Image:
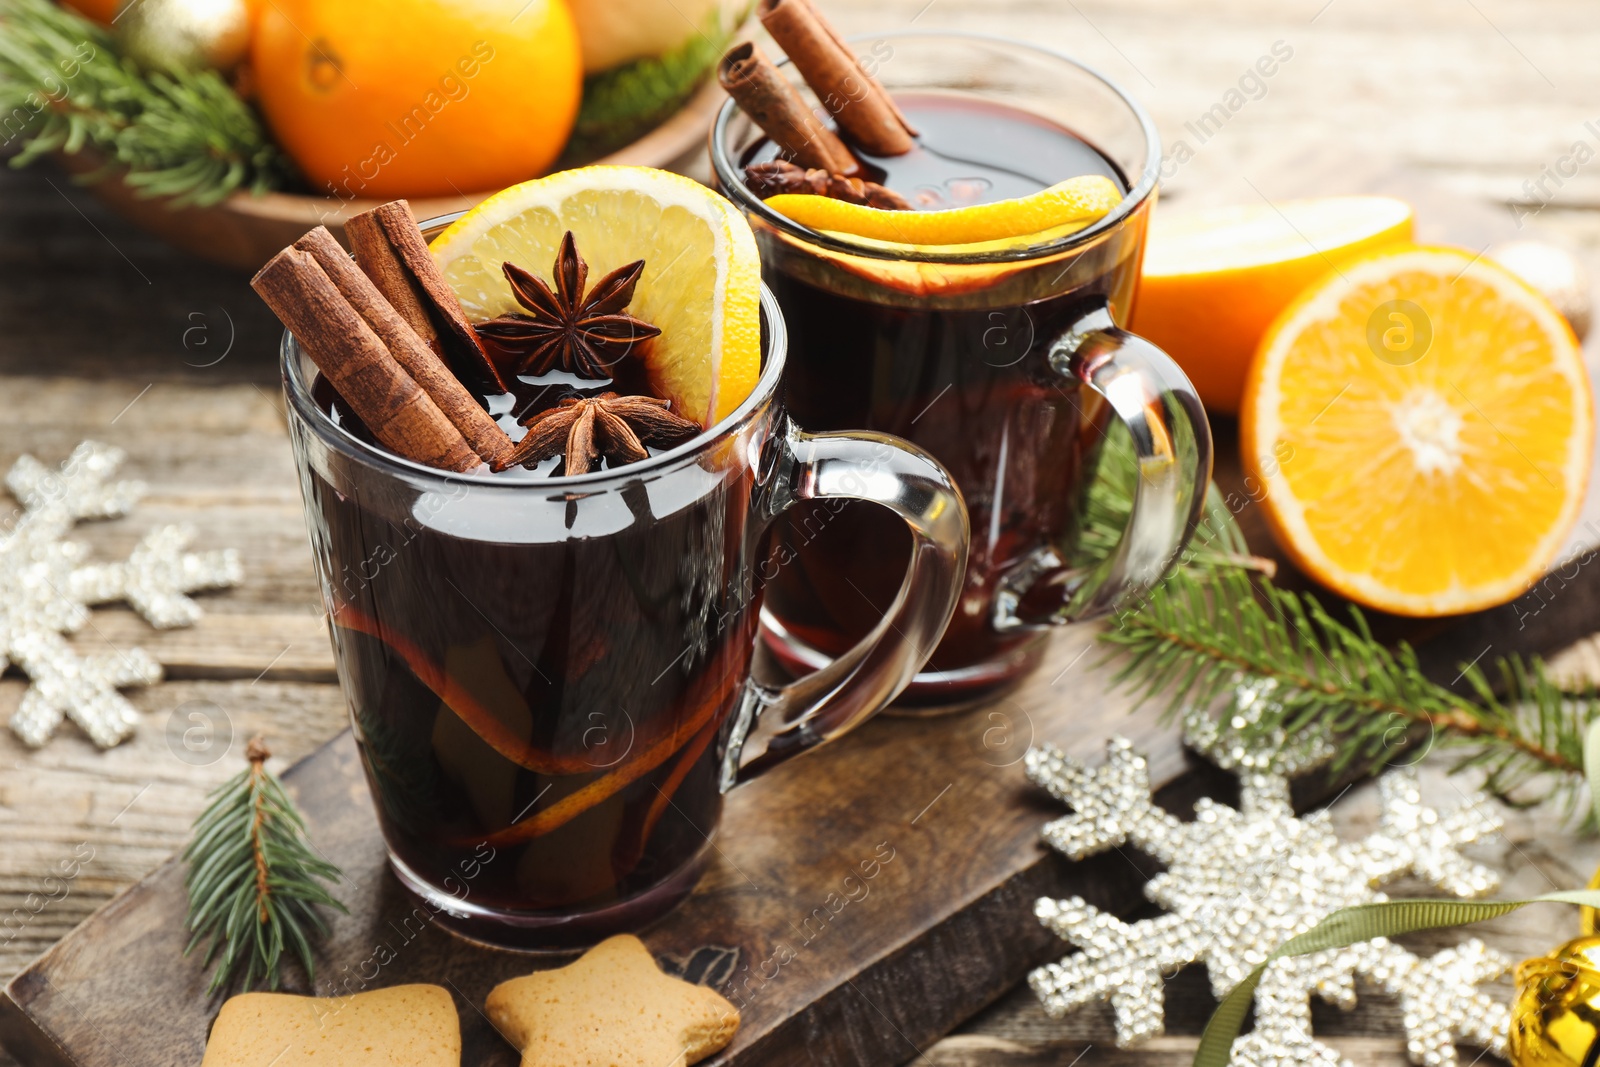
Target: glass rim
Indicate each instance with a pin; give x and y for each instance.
(298, 391)
(1141, 190)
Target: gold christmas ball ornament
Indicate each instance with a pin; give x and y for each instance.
(1556, 273)
(184, 34)
(1555, 1020)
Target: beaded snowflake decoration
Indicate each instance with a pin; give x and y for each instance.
(1240, 882)
(47, 587)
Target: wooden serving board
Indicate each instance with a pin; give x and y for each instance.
(246, 229)
(832, 967)
(942, 929)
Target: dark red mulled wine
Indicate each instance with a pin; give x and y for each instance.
(952, 358)
(543, 722)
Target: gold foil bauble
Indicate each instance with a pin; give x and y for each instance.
(1556, 273)
(1555, 1020)
(184, 34)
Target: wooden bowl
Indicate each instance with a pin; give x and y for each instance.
(245, 230)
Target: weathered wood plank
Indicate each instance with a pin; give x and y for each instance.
(216, 459)
(121, 813)
(1501, 90)
(979, 1050)
(257, 647)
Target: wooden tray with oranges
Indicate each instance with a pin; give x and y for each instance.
(245, 230)
(438, 103)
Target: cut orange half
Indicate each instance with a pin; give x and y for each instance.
(701, 279)
(1214, 279)
(1422, 425)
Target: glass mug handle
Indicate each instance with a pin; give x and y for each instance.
(836, 699)
(1172, 442)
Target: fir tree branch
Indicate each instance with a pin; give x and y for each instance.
(1218, 622)
(253, 880)
(185, 135)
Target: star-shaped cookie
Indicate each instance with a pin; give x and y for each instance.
(611, 1008)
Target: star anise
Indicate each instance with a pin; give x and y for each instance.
(586, 335)
(584, 428)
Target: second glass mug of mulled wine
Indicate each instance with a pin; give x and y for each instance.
(549, 678)
(1007, 364)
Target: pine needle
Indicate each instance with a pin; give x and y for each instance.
(1218, 622)
(184, 135)
(253, 881)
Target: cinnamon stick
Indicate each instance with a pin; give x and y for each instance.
(381, 264)
(863, 109)
(773, 104)
(391, 404)
(780, 176)
(390, 247)
(408, 348)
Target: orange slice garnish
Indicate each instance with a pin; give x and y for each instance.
(701, 280)
(1055, 212)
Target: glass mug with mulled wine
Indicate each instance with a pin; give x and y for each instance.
(538, 505)
(953, 261)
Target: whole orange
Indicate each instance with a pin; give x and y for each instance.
(418, 97)
(102, 11)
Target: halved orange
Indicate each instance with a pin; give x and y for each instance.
(1214, 279)
(701, 280)
(1422, 425)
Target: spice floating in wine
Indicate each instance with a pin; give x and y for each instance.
(971, 152)
(814, 156)
(418, 359)
(700, 283)
(402, 416)
(778, 176)
(582, 429)
(586, 334)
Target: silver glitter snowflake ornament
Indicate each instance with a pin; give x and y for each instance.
(1240, 882)
(47, 588)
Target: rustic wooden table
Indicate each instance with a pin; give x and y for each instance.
(105, 334)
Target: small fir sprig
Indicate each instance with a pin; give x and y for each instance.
(254, 883)
(1218, 621)
(185, 135)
